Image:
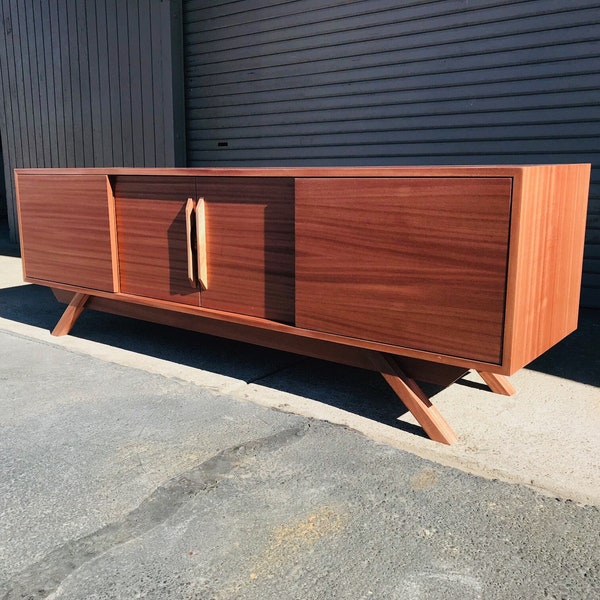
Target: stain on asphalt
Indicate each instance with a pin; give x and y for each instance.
(44, 577)
(426, 479)
(290, 540)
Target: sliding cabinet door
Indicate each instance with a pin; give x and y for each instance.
(153, 238)
(412, 262)
(249, 224)
(66, 231)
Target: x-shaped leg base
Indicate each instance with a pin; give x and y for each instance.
(417, 402)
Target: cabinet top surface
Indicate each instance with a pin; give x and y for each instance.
(391, 171)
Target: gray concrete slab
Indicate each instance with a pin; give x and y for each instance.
(143, 462)
(118, 483)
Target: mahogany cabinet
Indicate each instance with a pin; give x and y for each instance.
(421, 273)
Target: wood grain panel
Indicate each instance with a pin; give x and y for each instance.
(547, 244)
(65, 229)
(413, 262)
(151, 233)
(250, 245)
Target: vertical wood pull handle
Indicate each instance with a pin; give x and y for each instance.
(189, 209)
(201, 248)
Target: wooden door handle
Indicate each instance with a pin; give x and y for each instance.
(201, 248)
(189, 209)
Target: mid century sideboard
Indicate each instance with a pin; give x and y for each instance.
(420, 273)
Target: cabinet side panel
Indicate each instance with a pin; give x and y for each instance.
(546, 259)
(66, 229)
(414, 262)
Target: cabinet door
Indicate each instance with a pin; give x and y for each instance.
(65, 229)
(413, 262)
(250, 245)
(151, 229)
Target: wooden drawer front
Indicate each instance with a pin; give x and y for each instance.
(66, 230)
(250, 245)
(152, 239)
(414, 262)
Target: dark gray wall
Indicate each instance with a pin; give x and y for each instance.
(90, 83)
(316, 82)
(3, 202)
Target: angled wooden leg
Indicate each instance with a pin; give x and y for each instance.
(71, 314)
(414, 399)
(497, 383)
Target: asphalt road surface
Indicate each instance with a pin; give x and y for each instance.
(119, 483)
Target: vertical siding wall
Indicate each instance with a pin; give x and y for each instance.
(314, 82)
(89, 83)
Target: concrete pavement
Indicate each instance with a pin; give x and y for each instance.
(143, 462)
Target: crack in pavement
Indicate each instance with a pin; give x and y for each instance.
(44, 577)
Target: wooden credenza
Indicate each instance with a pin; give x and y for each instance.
(421, 273)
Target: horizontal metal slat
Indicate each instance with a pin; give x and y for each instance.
(546, 120)
(571, 58)
(479, 39)
(400, 105)
(453, 138)
(575, 151)
(481, 83)
(315, 29)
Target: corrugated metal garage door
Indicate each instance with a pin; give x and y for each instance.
(310, 82)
